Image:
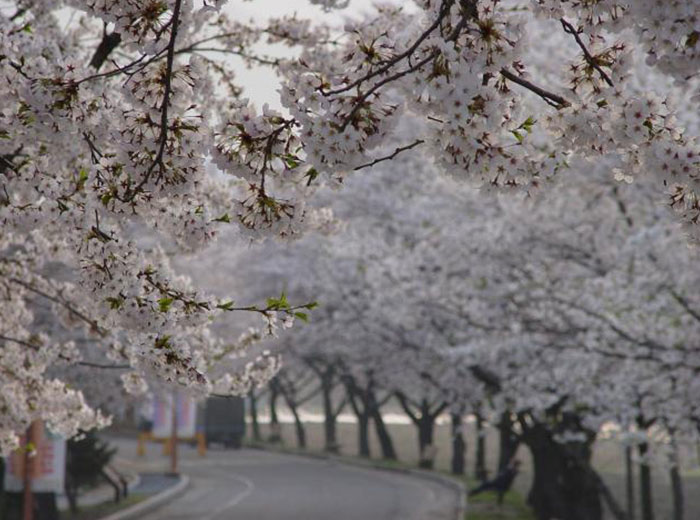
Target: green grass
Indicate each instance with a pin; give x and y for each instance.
(485, 506)
(100, 510)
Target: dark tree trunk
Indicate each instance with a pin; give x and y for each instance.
(299, 428)
(677, 487)
(508, 441)
(480, 460)
(363, 434)
(257, 437)
(71, 495)
(385, 442)
(564, 485)
(459, 447)
(645, 484)
(329, 414)
(358, 402)
(629, 483)
(426, 423)
(275, 431)
(290, 398)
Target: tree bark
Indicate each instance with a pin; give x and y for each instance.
(480, 460)
(645, 484)
(564, 485)
(358, 403)
(329, 413)
(629, 483)
(299, 428)
(459, 447)
(426, 429)
(363, 435)
(275, 435)
(386, 444)
(677, 487)
(508, 441)
(257, 437)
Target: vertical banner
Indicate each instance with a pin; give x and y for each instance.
(162, 416)
(47, 466)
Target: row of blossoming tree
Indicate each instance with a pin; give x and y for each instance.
(126, 142)
(554, 319)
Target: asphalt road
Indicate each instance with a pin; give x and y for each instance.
(257, 485)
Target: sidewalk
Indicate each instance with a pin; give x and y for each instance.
(145, 477)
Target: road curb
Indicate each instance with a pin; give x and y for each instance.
(150, 503)
(451, 482)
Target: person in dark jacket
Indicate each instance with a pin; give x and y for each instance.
(501, 484)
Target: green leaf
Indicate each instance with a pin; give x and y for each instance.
(302, 316)
(226, 306)
(162, 342)
(105, 198)
(115, 303)
(223, 218)
(517, 135)
(311, 174)
(164, 304)
(82, 179)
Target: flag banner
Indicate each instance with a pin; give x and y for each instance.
(186, 416)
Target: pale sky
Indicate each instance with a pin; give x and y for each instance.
(261, 84)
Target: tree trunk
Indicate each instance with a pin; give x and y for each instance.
(386, 444)
(363, 434)
(645, 484)
(459, 447)
(299, 428)
(275, 431)
(257, 437)
(508, 441)
(358, 402)
(480, 460)
(426, 423)
(677, 487)
(629, 483)
(329, 420)
(564, 486)
(71, 495)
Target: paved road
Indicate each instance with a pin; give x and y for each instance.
(257, 485)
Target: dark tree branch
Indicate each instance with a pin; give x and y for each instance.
(552, 99)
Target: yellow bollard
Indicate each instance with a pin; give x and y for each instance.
(201, 444)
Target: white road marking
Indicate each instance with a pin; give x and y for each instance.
(249, 487)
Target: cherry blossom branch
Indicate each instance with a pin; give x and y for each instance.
(19, 342)
(165, 104)
(396, 152)
(552, 99)
(570, 29)
(407, 53)
(95, 327)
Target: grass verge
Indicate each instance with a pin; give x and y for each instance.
(98, 511)
(484, 506)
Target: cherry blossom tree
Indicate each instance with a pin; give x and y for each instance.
(119, 117)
